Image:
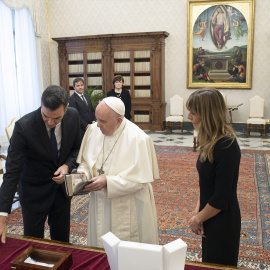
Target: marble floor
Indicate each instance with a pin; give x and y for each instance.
(254, 141)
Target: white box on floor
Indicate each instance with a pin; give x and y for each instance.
(110, 244)
(135, 256)
(174, 255)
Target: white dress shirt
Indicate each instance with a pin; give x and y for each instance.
(58, 135)
(82, 97)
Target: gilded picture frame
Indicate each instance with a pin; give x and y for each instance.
(220, 43)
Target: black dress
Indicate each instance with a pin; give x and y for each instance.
(125, 97)
(218, 188)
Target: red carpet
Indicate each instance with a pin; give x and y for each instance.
(175, 195)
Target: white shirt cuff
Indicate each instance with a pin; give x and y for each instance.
(3, 214)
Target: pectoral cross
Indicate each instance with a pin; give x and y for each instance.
(100, 171)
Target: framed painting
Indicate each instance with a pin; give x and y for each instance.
(220, 43)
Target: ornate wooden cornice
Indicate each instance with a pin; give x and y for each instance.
(162, 34)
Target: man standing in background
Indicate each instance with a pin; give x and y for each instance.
(82, 103)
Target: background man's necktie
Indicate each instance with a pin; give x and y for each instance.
(54, 143)
(83, 98)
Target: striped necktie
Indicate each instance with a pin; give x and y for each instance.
(83, 98)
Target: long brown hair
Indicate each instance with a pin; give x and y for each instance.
(209, 105)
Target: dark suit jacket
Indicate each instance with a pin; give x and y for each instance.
(87, 113)
(31, 162)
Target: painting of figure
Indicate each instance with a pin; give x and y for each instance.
(201, 29)
(220, 28)
(238, 31)
(220, 46)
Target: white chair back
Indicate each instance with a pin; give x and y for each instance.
(224, 96)
(1, 167)
(2, 157)
(176, 105)
(10, 128)
(256, 107)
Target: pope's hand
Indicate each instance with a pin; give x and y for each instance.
(3, 228)
(99, 182)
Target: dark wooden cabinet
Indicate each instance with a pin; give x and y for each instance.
(138, 57)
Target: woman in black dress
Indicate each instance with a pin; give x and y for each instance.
(121, 93)
(217, 215)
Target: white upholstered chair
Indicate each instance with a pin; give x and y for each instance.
(256, 114)
(175, 120)
(224, 96)
(2, 157)
(10, 128)
(195, 140)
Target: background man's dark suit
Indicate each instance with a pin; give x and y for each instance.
(32, 163)
(86, 112)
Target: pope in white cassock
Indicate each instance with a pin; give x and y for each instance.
(120, 158)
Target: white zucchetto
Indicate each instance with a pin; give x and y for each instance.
(116, 104)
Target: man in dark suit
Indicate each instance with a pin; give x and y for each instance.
(43, 147)
(82, 103)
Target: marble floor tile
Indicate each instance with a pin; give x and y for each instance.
(254, 141)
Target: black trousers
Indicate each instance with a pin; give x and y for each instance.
(58, 219)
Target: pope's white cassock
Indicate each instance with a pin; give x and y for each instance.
(126, 207)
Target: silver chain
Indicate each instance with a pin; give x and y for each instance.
(100, 171)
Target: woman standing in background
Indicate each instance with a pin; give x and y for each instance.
(217, 215)
(121, 93)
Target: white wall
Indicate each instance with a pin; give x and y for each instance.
(44, 42)
(92, 17)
